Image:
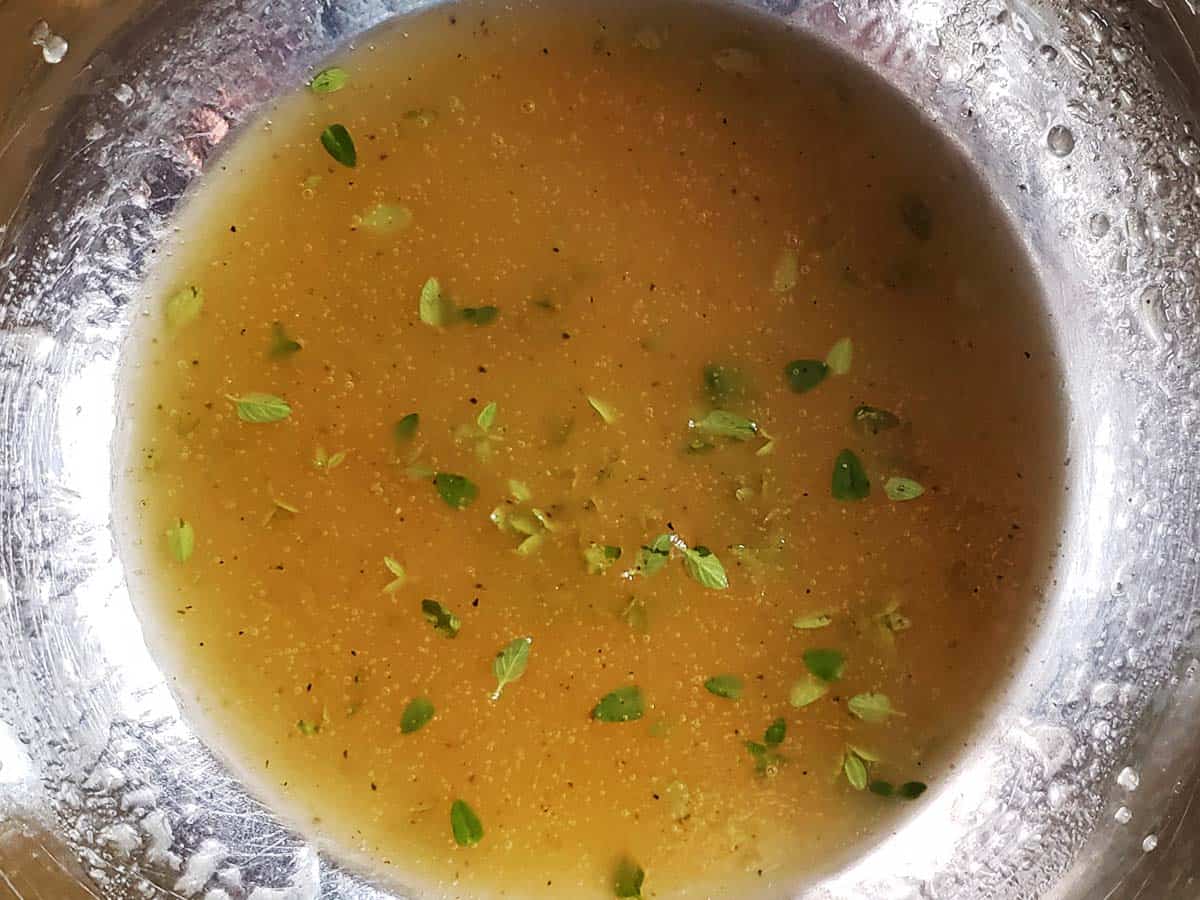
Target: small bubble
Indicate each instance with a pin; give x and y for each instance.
(1150, 842)
(1049, 53)
(1098, 225)
(1123, 815)
(528, 106)
(1129, 779)
(1060, 140)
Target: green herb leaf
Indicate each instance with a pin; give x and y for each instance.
(258, 409)
(849, 481)
(787, 272)
(811, 623)
(399, 576)
(406, 428)
(440, 618)
(652, 558)
(806, 691)
(727, 686)
(308, 728)
(184, 306)
(384, 218)
(775, 733)
(705, 568)
(916, 216)
(281, 344)
(479, 315)
(416, 715)
(901, 489)
(509, 664)
(423, 117)
(723, 383)
(882, 788)
(519, 490)
(457, 490)
(628, 879)
(635, 615)
(872, 708)
(599, 557)
(337, 143)
(467, 829)
(911, 790)
(892, 620)
(855, 769)
(487, 416)
(825, 664)
(622, 705)
(325, 462)
(181, 540)
(433, 307)
(805, 374)
(766, 760)
(840, 356)
(605, 411)
(720, 423)
(329, 81)
(872, 419)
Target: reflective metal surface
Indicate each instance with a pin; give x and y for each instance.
(1079, 117)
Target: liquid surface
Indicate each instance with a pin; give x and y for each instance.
(638, 223)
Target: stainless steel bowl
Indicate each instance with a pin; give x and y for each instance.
(1080, 118)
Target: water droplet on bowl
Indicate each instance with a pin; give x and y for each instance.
(1123, 815)
(54, 49)
(1150, 842)
(1129, 779)
(1060, 140)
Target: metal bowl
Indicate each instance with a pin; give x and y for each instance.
(1079, 118)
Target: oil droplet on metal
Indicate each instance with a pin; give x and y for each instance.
(1123, 815)
(1060, 140)
(54, 46)
(1150, 842)
(1129, 779)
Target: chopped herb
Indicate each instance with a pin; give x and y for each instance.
(916, 216)
(398, 573)
(383, 218)
(599, 557)
(281, 344)
(849, 481)
(479, 315)
(467, 829)
(325, 462)
(872, 708)
(628, 879)
(652, 558)
(510, 662)
(423, 117)
(825, 664)
(433, 307)
(727, 686)
(184, 306)
(406, 428)
(872, 419)
(308, 728)
(901, 489)
(811, 623)
(911, 790)
(622, 705)
(892, 620)
(337, 143)
(181, 540)
(457, 490)
(519, 490)
(635, 615)
(737, 61)
(487, 417)
(775, 733)
(723, 383)
(806, 691)
(787, 272)
(605, 411)
(440, 618)
(329, 81)
(768, 448)
(416, 715)
(720, 423)
(882, 788)
(840, 355)
(705, 568)
(805, 374)
(419, 472)
(257, 408)
(285, 506)
(855, 769)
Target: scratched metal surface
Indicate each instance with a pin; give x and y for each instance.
(1081, 119)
